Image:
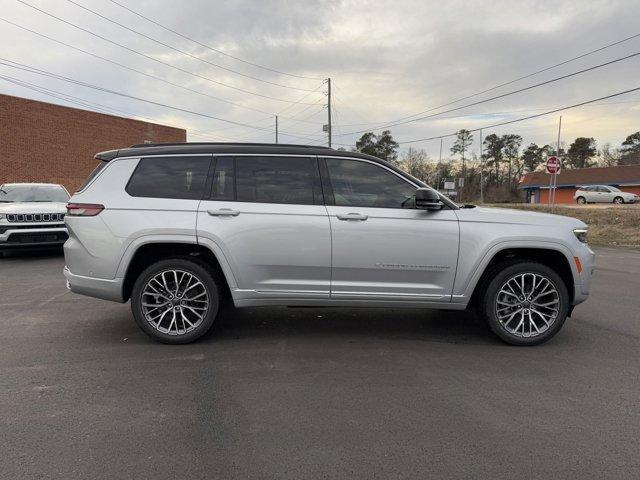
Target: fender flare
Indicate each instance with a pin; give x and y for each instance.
(495, 249)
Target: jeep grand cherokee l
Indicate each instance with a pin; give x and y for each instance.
(178, 228)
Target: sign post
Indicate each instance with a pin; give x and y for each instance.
(553, 167)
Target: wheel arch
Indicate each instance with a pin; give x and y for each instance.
(552, 256)
(150, 252)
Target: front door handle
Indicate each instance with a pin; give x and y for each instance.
(224, 212)
(352, 216)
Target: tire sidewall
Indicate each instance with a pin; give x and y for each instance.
(193, 267)
(491, 293)
(581, 201)
(618, 200)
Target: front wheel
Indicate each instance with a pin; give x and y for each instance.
(175, 301)
(525, 303)
(618, 200)
(581, 200)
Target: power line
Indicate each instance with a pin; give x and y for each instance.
(182, 52)
(503, 95)
(149, 75)
(210, 47)
(551, 67)
(486, 127)
(152, 58)
(37, 71)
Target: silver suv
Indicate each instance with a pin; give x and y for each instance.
(179, 229)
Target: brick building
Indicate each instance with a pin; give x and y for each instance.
(536, 184)
(42, 142)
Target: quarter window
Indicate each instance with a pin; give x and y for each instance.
(277, 180)
(169, 177)
(362, 184)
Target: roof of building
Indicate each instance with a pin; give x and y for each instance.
(622, 175)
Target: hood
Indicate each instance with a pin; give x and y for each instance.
(33, 207)
(516, 217)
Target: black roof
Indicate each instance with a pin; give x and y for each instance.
(226, 148)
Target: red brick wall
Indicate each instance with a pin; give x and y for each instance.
(41, 142)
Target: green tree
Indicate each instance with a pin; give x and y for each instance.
(630, 150)
(580, 152)
(382, 146)
(533, 156)
(464, 139)
(493, 148)
(511, 148)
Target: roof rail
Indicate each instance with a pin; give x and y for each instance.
(238, 144)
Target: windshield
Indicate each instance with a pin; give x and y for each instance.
(33, 193)
(614, 189)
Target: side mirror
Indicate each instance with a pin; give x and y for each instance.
(428, 199)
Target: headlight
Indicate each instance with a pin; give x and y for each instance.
(581, 234)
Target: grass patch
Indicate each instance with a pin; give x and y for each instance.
(609, 226)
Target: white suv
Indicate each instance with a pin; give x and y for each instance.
(604, 194)
(32, 216)
(180, 228)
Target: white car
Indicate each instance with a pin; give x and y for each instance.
(32, 216)
(604, 194)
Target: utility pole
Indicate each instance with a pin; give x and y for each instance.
(276, 128)
(329, 110)
(439, 166)
(481, 172)
(555, 175)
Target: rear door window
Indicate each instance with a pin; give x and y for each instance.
(278, 180)
(170, 177)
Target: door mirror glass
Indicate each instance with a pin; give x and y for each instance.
(428, 199)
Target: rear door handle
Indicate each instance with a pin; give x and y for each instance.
(352, 216)
(224, 212)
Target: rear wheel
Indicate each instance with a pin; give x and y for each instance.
(581, 200)
(525, 303)
(175, 301)
(618, 200)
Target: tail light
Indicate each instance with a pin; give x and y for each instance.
(84, 209)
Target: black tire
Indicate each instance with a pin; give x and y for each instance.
(201, 273)
(618, 200)
(489, 298)
(581, 200)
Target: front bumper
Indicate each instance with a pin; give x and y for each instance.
(582, 286)
(95, 287)
(18, 236)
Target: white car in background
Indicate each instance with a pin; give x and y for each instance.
(32, 216)
(604, 194)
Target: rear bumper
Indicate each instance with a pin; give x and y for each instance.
(95, 287)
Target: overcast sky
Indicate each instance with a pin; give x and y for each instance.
(387, 60)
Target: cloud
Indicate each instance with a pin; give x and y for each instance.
(387, 60)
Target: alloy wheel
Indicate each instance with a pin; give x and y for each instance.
(174, 302)
(527, 305)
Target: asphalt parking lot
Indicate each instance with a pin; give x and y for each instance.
(315, 393)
